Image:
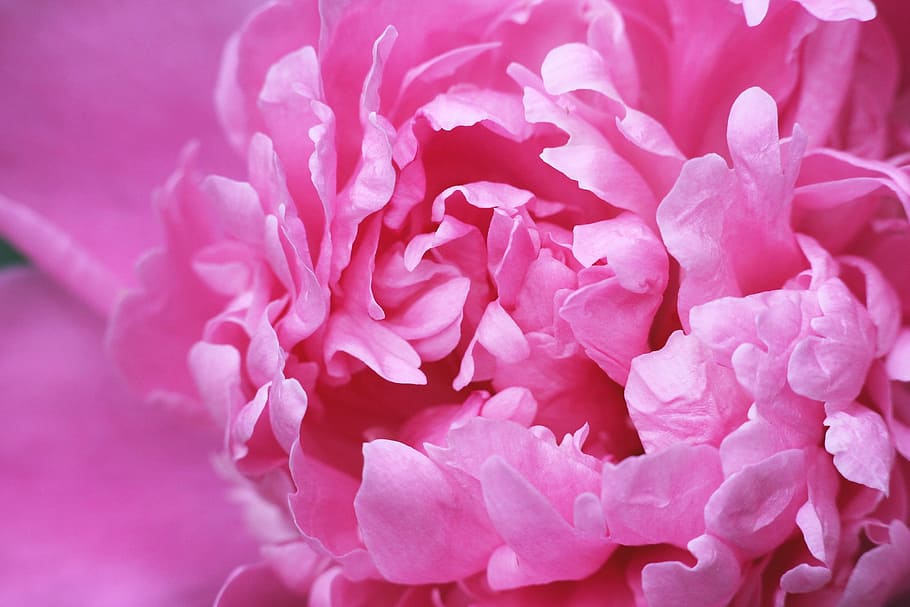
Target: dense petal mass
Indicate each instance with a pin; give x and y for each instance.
(553, 302)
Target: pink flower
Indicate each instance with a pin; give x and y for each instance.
(514, 303)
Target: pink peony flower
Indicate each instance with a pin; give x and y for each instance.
(514, 303)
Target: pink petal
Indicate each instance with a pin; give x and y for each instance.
(561, 472)
(497, 338)
(576, 67)
(839, 10)
(78, 448)
(411, 515)
(589, 158)
(262, 41)
(153, 328)
(825, 10)
(832, 364)
(511, 248)
(828, 59)
(611, 317)
(897, 362)
(754, 509)
(859, 440)
(744, 211)
(819, 518)
(710, 583)
(541, 546)
(881, 301)
(377, 346)
(608, 35)
(483, 195)
(323, 510)
(660, 497)
(804, 578)
(679, 394)
(882, 573)
(755, 10)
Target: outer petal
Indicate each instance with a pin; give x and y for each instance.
(660, 498)
(755, 508)
(730, 229)
(710, 583)
(412, 518)
(860, 442)
(541, 546)
(105, 488)
(95, 112)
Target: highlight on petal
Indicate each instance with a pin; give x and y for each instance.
(859, 440)
(836, 10)
(898, 361)
(839, 10)
(755, 508)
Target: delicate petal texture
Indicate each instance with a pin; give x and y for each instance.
(729, 228)
(707, 583)
(660, 498)
(755, 508)
(411, 544)
(858, 439)
(103, 493)
(548, 302)
(679, 394)
(831, 365)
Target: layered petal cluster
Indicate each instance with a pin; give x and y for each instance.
(549, 303)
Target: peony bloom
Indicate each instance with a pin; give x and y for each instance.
(491, 303)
